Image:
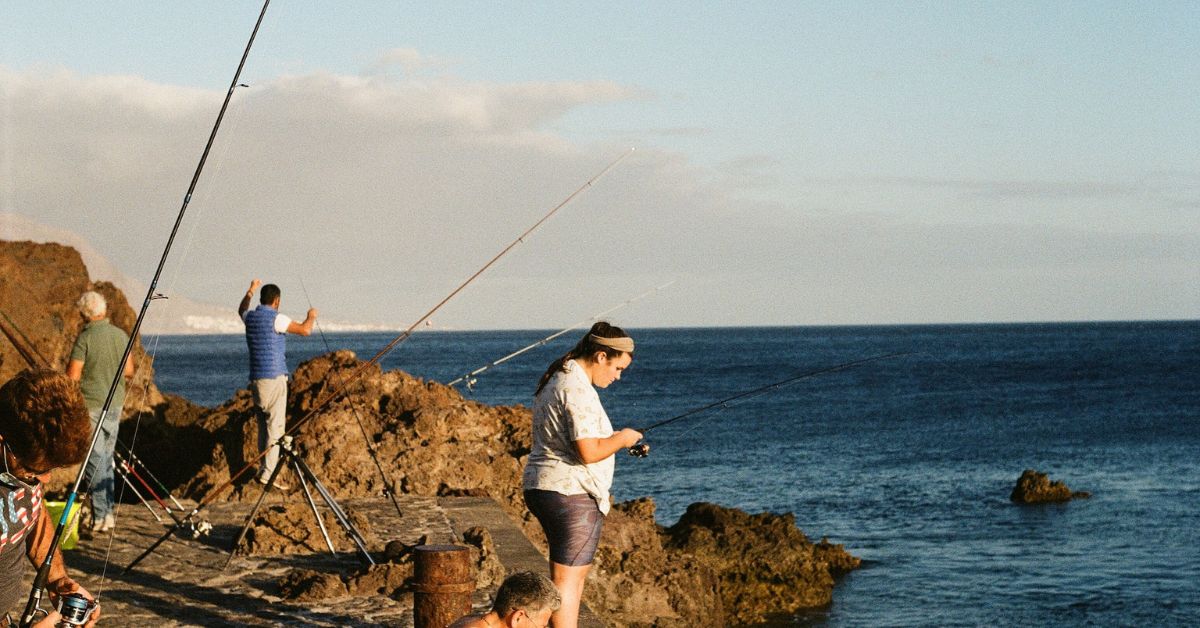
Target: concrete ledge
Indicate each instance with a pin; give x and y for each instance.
(513, 549)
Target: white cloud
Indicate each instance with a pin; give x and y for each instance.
(384, 194)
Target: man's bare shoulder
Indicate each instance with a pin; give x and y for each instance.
(470, 621)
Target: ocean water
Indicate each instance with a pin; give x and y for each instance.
(907, 461)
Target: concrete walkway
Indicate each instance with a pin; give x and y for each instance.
(183, 582)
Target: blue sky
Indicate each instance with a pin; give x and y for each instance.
(1065, 129)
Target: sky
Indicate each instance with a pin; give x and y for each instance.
(794, 163)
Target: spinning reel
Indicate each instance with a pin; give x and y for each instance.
(640, 450)
(75, 609)
(194, 529)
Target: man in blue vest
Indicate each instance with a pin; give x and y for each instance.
(266, 336)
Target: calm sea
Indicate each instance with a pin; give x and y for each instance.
(907, 461)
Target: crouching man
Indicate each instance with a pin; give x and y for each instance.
(524, 599)
(44, 425)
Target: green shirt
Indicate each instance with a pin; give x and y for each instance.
(100, 346)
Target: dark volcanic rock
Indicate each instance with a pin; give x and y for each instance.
(765, 563)
(635, 580)
(292, 528)
(1036, 488)
(39, 286)
(432, 441)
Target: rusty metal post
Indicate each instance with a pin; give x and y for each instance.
(443, 583)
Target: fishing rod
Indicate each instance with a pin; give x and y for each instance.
(361, 369)
(132, 457)
(39, 583)
(124, 465)
(22, 343)
(388, 487)
(641, 450)
(470, 377)
(123, 469)
(196, 529)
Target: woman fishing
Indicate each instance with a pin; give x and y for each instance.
(570, 467)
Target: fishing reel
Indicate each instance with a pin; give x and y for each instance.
(640, 450)
(197, 529)
(75, 609)
(193, 529)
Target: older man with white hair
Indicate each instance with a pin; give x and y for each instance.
(95, 360)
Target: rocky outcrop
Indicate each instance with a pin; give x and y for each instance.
(39, 287)
(637, 581)
(293, 529)
(1037, 488)
(765, 563)
(717, 566)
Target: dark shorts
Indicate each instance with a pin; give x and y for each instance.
(572, 524)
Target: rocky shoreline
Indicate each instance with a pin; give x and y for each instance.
(715, 566)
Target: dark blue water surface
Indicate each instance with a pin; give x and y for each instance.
(907, 461)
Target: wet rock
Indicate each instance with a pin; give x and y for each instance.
(764, 562)
(1037, 488)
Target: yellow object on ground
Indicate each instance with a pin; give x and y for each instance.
(71, 534)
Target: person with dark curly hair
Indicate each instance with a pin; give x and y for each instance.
(44, 425)
(570, 466)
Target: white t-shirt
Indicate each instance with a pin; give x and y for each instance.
(568, 409)
(281, 321)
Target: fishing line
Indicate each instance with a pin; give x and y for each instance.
(132, 457)
(33, 605)
(361, 369)
(470, 377)
(203, 197)
(389, 488)
(641, 449)
(150, 352)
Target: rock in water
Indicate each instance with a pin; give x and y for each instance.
(1037, 488)
(765, 563)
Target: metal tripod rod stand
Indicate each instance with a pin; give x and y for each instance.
(288, 456)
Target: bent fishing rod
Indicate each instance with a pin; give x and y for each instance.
(362, 368)
(641, 450)
(470, 377)
(43, 574)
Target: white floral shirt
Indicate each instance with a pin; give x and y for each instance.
(568, 409)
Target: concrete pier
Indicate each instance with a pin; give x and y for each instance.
(182, 583)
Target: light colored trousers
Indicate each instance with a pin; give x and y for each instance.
(270, 398)
(100, 465)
